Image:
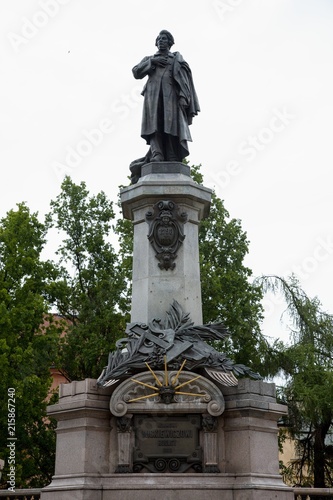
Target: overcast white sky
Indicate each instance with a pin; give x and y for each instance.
(263, 71)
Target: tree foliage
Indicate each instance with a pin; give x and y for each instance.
(26, 351)
(308, 392)
(228, 294)
(91, 292)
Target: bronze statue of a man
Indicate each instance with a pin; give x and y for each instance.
(170, 102)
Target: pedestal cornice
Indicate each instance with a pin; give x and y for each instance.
(153, 186)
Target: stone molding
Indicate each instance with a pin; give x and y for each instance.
(150, 189)
(165, 167)
(211, 402)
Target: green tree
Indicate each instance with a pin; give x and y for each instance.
(308, 366)
(27, 350)
(91, 292)
(227, 292)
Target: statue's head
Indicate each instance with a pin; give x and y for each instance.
(170, 38)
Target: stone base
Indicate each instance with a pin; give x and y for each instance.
(168, 487)
(165, 167)
(87, 452)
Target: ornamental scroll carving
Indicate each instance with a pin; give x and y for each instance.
(166, 232)
(136, 397)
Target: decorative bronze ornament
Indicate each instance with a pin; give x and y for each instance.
(178, 339)
(124, 424)
(167, 390)
(209, 423)
(166, 232)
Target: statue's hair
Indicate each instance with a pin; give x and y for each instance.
(168, 34)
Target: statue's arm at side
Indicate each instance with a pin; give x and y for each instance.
(144, 68)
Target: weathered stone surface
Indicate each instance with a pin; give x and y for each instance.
(250, 427)
(210, 400)
(83, 431)
(165, 167)
(243, 446)
(255, 387)
(153, 289)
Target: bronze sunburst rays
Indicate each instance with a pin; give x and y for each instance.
(169, 388)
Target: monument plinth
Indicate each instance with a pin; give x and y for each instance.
(166, 209)
(97, 451)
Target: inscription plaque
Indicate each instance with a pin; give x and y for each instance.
(165, 443)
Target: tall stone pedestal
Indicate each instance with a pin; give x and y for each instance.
(154, 288)
(243, 445)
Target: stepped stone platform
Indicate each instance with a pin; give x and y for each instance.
(243, 446)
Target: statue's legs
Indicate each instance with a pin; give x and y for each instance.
(164, 147)
(171, 148)
(156, 146)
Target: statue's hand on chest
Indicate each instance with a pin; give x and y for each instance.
(160, 60)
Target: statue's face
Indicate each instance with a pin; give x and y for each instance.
(162, 42)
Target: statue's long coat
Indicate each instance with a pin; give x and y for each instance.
(161, 110)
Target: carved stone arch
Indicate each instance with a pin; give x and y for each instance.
(206, 398)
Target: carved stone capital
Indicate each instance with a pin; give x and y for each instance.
(124, 424)
(209, 423)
